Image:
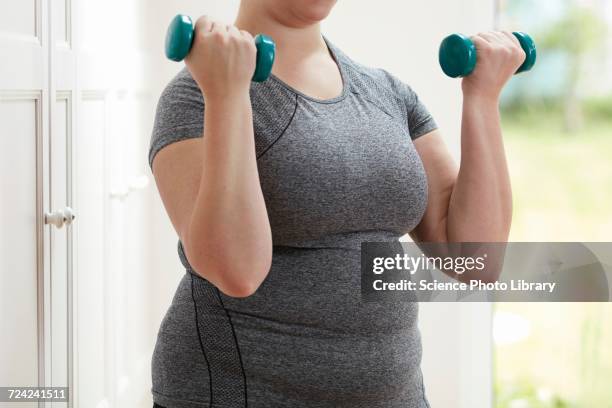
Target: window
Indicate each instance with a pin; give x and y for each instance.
(558, 131)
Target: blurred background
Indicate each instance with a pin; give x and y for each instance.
(80, 305)
(558, 130)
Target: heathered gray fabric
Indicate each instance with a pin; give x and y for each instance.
(334, 173)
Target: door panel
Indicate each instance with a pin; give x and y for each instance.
(61, 22)
(21, 41)
(19, 18)
(20, 119)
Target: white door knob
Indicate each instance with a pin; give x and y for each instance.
(61, 217)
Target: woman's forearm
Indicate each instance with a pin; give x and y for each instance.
(480, 208)
(229, 232)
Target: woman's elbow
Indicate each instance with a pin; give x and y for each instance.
(234, 277)
(239, 289)
(236, 270)
(240, 281)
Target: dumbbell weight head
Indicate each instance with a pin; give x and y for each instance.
(179, 40)
(458, 54)
(266, 52)
(529, 47)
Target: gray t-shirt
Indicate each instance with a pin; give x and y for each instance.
(334, 173)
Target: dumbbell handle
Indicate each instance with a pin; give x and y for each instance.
(458, 54)
(179, 40)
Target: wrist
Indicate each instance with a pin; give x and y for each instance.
(228, 97)
(479, 98)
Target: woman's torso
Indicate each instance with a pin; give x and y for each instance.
(334, 173)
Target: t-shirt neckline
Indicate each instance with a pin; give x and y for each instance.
(333, 52)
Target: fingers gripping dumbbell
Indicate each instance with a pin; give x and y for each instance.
(179, 40)
(458, 54)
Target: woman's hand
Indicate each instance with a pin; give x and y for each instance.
(222, 59)
(499, 57)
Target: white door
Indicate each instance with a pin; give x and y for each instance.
(24, 110)
(35, 149)
(74, 297)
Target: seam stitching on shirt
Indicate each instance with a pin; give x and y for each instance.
(174, 399)
(200, 340)
(392, 94)
(422, 122)
(418, 129)
(371, 102)
(229, 318)
(284, 130)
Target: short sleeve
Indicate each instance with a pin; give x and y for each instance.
(420, 121)
(179, 115)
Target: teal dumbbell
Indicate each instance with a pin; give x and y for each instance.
(179, 40)
(458, 54)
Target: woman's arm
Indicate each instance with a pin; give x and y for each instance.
(473, 203)
(210, 186)
(228, 234)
